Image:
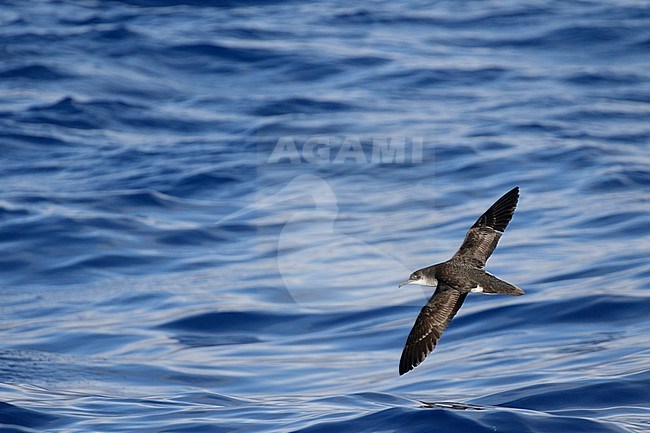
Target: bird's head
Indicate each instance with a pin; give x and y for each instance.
(422, 277)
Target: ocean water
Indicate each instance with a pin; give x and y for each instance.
(206, 209)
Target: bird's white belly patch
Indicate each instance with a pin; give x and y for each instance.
(477, 289)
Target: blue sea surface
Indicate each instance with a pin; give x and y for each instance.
(206, 209)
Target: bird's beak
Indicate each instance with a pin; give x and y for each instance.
(405, 283)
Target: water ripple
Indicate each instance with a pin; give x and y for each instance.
(160, 272)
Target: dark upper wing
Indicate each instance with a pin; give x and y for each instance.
(482, 238)
(429, 326)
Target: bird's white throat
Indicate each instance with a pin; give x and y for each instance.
(424, 282)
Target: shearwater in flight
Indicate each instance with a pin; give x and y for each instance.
(457, 277)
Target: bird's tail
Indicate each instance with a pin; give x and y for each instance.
(491, 284)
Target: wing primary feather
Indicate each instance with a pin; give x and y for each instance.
(429, 326)
(483, 237)
(500, 213)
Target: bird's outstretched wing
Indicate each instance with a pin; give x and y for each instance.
(429, 326)
(482, 238)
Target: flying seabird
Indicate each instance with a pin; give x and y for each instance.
(455, 278)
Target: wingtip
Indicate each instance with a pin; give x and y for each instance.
(514, 191)
(403, 366)
(514, 195)
(500, 213)
(406, 362)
